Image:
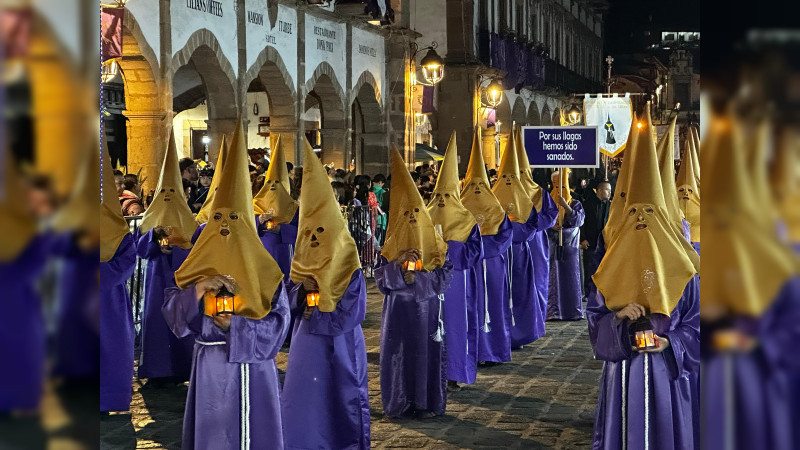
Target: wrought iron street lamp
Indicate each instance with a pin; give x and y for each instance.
(432, 64)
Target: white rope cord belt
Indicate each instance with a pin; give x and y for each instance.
(244, 369)
(486, 320)
(646, 401)
(624, 405)
(466, 312)
(511, 284)
(210, 343)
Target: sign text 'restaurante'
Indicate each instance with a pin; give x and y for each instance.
(207, 6)
(322, 44)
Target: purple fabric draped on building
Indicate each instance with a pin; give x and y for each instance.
(460, 308)
(116, 329)
(413, 365)
(522, 65)
(163, 354)
(325, 398)
(565, 300)
(77, 342)
(494, 314)
(22, 375)
(628, 378)
(540, 251)
(234, 391)
(761, 384)
(527, 323)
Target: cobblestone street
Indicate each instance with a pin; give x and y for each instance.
(544, 398)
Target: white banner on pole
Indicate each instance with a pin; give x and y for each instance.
(612, 116)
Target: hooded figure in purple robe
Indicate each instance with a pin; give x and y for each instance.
(230, 296)
(166, 238)
(117, 259)
(493, 290)
(413, 274)
(325, 399)
(750, 333)
(649, 272)
(464, 250)
(565, 300)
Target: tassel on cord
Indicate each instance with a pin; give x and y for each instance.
(486, 320)
(511, 284)
(440, 329)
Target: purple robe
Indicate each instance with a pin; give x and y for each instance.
(527, 322)
(22, 330)
(281, 244)
(460, 308)
(540, 251)
(753, 392)
(234, 391)
(565, 301)
(494, 314)
(116, 329)
(413, 364)
(666, 418)
(77, 342)
(325, 398)
(163, 354)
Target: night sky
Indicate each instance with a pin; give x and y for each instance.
(626, 21)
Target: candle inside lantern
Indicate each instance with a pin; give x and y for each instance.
(312, 299)
(164, 242)
(270, 224)
(411, 266)
(224, 302)
(642, 336)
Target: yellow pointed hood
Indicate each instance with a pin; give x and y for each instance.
(758, 150)
(688, 186)
(665, 149)
(169, 207)
(647, 263)
(509, 189)
(696, 159)
(617, 211)
(749, 264)
(555, 178)
(324, 250)
(410, 226)
(229, 244)
(203, 214)
(80, 213)
(113, 226)
(445, 207)
(19, 227)
(477, 196)
(785, 182)
(275, 196)
(525, 173)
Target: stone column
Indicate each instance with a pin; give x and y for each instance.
(333, 146)
(146, 144)
(290, 139)
(217, 128)
(375, 153)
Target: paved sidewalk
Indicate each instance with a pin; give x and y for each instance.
(544, 398)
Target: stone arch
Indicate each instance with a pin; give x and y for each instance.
(324, 89)
(269, 74)
(518, 112)
(369, 146)
(333, 88)
(202, 64)
(366, 78)
(533, 117)
(145, 117)
(547, 116)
